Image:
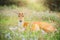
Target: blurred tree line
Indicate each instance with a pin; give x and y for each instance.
(12, 2)
(53, 5)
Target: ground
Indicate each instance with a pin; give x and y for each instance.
(9, 23)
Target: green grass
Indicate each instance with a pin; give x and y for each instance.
(11, 21)
(37, 7)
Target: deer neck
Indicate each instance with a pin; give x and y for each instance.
(21, 23)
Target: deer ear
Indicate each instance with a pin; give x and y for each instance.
(18, 14)
(22, 14)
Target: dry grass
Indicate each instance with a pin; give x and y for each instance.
(8, 19)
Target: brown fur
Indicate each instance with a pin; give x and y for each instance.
(47, 27)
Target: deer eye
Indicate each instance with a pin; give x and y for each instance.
(22, 16)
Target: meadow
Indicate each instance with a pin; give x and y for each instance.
(9, 19)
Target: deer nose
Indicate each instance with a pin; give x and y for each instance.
(20, 20)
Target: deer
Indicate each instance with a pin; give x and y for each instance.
(36, 25)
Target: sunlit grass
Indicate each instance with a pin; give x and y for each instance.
(12, 21)
(37, 7)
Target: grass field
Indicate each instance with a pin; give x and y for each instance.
(9, 18)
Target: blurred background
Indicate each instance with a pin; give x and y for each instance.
(34, 10)
(52, 5)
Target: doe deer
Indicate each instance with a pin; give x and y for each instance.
(37, 25)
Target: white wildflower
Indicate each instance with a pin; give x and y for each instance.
(8, 36)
